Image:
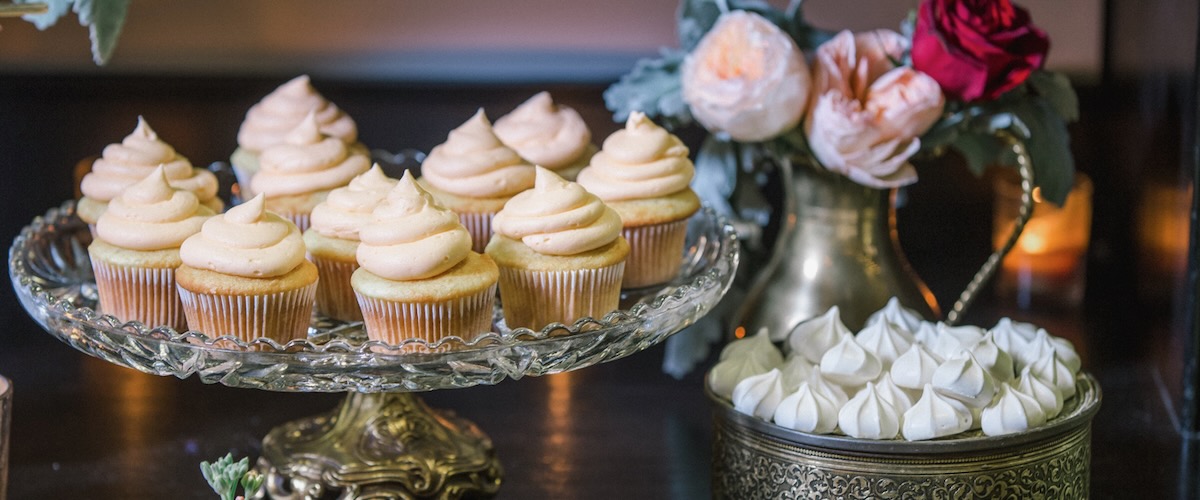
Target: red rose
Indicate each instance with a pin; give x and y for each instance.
(977, 49)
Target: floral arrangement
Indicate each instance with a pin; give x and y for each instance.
(956, 75)
(104, 19)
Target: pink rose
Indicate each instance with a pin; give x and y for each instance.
(868, 114)
(746, 79)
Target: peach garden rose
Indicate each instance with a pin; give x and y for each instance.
(868, 114)
(746, 79)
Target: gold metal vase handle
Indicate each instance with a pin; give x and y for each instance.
(985, 273)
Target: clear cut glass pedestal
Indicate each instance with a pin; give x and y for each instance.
(382, 441)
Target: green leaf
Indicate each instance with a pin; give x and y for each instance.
(251, 482)
(104, 19)
(980, 150)
(652, 87)
(55, 10)
(1057, 90)
(716, 173)
(694, 19)
(1049, 149)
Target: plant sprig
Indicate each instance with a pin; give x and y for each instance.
(224, 476)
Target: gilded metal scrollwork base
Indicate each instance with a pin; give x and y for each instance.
(375, 446)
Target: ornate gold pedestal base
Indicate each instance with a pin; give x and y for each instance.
(389, 445)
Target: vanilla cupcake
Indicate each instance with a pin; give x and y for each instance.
(297, 174)
(136, 251)
(474, 175)
(560, 252)
(269, 121)
(418, 276)
(548, 135)
(643, 173)
(244, 275)
(123, 165)
(332, 240)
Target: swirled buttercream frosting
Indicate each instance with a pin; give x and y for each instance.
(411, 237)
(558, 217)
(348, 208)
(544, 133)
(245, 241)
(307, 161)
(122, 165)
(151, 215)
(474, 163)
(269, 121)
(640, 161)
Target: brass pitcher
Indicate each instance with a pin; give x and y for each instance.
(837, 245)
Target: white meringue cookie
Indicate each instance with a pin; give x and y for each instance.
(893, 394)
(796, 371)
(995, 359)
(848, 364)
(1013, 336)
(819, 384)
(1011, 412)
(934, 416)
(950, 339)
(869, 416)
(813, 337)
(1036, 349)
(885, 340)
(807, 411)
(926, 335)
(726, 374)
(1045, 394)
(1052, 371)
(759, 395)
(758, 344)
(901, 316)
(1065, 351)
(963, 378)
(914, 368)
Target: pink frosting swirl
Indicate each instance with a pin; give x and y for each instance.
(349, 208)
(122, 165)
(474, 163)
(545, 133)
(306, 162)
(411, 237)
(640, 161)
(151, 215)
(268, 122)
(557, 217)
(246, 241)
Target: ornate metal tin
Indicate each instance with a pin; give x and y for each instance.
(753, 459)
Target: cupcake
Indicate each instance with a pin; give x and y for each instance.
(548, 135)
(560, 252)
(419, 277)
(474, 175)
(643, 173)
(122, 165)
(244, 275)
(298, 173)
(269, 121)
(332, 240)
(136, 250)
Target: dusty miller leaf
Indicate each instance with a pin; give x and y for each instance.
(54, 10)
(652, 87)
(104, 19)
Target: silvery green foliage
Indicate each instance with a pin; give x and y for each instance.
(654, 88)
(104, 19)
(224, 475)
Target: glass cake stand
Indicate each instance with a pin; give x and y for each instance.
(382, 441)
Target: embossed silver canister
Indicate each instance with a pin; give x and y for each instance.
(753, 459)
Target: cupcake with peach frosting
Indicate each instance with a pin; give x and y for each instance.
(643, 172)
(269, 121)
(136, 250)
(548, 135)
(560, 252)
(297, 174)
(418, 277)
(135, 157)
(244, 275)
(332, 240)
(474, 175)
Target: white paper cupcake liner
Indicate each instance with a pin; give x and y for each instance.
(534, 299)
(335, 296)
(480, 227)
(281, 316)
(394, 322)
(300, 219)
(654, 253)
(147, 295)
